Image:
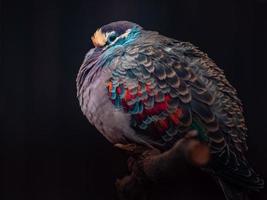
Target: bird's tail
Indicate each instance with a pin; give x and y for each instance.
(232, 192)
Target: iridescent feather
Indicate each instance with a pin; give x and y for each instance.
(165, 88)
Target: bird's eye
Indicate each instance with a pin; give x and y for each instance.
(111, 38)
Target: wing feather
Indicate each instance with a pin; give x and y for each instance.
(170, 87)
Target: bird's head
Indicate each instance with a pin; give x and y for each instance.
(115, 33)
(106, 40)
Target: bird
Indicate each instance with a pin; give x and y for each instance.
(138, 86)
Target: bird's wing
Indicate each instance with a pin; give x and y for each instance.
(171, 87)
(164, 96)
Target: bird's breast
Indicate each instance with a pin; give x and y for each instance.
(114, 124)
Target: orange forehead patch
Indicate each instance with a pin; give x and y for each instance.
(99, 39)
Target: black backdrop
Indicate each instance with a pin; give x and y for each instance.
(49, 149)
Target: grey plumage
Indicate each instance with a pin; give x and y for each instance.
(159, 71)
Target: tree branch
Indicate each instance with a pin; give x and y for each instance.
(150, 165)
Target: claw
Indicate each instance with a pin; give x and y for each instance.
(126, 147)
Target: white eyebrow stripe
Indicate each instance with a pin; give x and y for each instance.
(108, 34)
(124, 35)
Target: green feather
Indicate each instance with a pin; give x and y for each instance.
(202, 133)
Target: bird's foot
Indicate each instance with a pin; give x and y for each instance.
(132, 149)
(126, 147)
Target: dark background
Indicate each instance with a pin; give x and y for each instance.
(49, 151)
